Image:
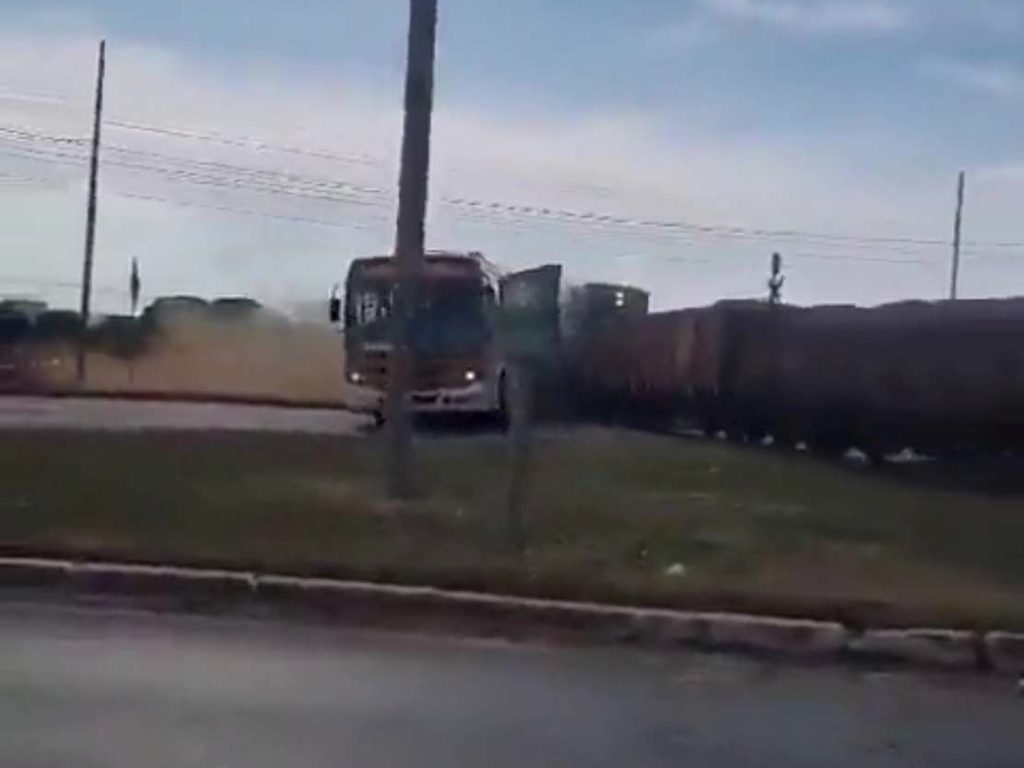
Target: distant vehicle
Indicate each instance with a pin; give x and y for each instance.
(459, 363)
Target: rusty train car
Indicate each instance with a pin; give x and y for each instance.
(938, 377)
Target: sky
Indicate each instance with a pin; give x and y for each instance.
(251, 147)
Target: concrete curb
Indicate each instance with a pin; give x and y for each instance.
(33, 573)
(360, 603)
(183, 587)
(1005, 651)
(954, 649)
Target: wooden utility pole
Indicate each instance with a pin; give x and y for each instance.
(90, 217)
(409, 241)
(957, 229)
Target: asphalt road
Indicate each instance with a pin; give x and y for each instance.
(132, 415)
(120, 690)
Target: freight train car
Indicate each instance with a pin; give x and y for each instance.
(661, 368)
(636, 368)
(942, 378)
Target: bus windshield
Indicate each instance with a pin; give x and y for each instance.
(452, 317)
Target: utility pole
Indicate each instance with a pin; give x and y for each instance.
(134, 286)
(90, 218)
(776, 281)
(409, 241)
(957, 229)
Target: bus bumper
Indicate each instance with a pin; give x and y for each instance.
(480, 397)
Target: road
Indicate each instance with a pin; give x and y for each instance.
(120, 690)
(132, 415)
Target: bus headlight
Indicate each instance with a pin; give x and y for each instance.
(356, 377)
(471, 376)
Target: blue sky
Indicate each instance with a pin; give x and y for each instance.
(719, 62)
(836, 116)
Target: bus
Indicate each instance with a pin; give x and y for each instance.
(458, 361)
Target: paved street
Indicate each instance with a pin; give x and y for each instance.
(129, 415)
(120, 690)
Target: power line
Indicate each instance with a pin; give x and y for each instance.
(539, 212)
(244, 211)
(199, 179)
(32, 153)
(269, 181)
(243, 142)
(362, 196)
(584, 235)
(245, 185)
(517, 224)
(31, 97)
(23, 133)
(489, 218)
(520, 227)
(62, 284)
(695, 241)
(221, 208)
(221, 167)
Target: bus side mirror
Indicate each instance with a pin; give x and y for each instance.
(334, 308)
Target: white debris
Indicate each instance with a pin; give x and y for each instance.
(676, 570)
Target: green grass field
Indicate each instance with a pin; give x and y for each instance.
(608, 514)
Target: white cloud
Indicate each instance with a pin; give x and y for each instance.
(614, 162)
(985, 77)
(815, 16)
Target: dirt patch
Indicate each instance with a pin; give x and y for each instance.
(259, 359)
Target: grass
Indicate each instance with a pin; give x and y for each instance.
(608, 513)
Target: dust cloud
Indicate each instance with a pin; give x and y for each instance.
(253, 359)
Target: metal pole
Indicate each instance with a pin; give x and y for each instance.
(776, 281)
(957, 229)
(90, 219)
(409, 241)
(520, 403)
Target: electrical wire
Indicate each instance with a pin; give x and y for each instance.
(243, 142)
(273, 182)
(244, 211)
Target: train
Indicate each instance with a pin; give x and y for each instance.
(939, 378)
